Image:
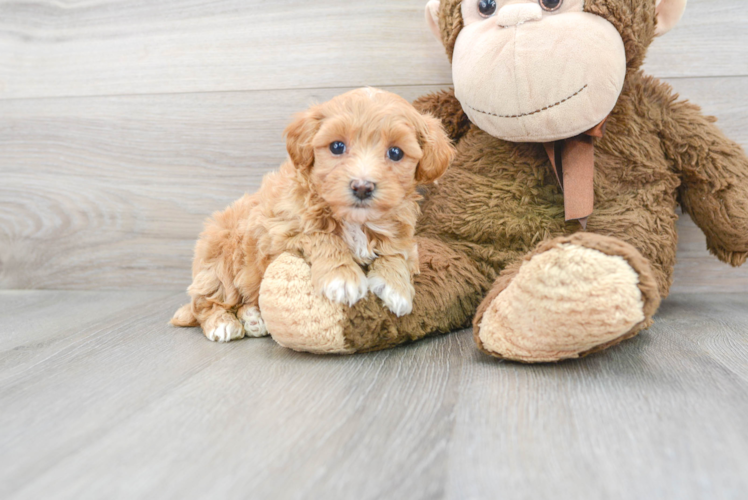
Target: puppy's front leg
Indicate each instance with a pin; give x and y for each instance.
(390, 279)
(334, 272)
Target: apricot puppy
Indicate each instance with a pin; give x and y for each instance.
(345, 200)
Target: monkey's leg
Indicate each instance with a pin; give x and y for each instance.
(572, 296)
(448, 290)
(714, 171)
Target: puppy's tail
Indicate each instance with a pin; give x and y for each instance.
(184, 317)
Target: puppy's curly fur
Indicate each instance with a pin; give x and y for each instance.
(310, 207)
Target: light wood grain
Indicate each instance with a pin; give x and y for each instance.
(125, 406)
(35, 326)
(51, 48)
(111, 192)
(145, 47)
(708, 41)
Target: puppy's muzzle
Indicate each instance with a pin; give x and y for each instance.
(363, 190)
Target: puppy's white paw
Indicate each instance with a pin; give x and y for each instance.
(225, 331)
(394, 300)
(254, 326)
(346, 292)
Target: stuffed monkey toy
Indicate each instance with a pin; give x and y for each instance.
(554, 230)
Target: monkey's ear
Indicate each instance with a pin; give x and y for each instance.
(669, 13)
(299, 135)
(432, 18)
(437, 150)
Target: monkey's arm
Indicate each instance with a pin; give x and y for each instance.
(445, 106)
(714, 172)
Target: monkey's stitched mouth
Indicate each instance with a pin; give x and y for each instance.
(532, 112)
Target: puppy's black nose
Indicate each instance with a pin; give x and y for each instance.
(363, 189)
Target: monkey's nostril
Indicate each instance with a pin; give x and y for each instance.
(363, 189)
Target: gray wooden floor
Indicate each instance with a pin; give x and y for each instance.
(100, 398)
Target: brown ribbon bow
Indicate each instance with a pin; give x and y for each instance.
(573, 163)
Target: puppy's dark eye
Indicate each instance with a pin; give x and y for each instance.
(487, 8)
(395, 154)
(551, 5)
(337, 148)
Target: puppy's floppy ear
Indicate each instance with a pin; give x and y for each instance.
(437, 150)
(299, 135)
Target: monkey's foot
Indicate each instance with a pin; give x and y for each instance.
(571, 297)
(296, 316)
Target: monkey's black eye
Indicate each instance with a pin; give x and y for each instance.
(487, 8)
(395, 154)
(550, 5)
(337, 148)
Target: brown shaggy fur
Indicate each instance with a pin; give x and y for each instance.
(500, 201)
(308, 207)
